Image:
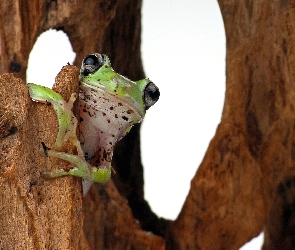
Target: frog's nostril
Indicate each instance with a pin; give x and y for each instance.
(151, 95)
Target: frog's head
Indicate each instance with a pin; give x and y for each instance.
(97, 73)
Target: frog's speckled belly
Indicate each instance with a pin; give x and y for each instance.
(104, 119)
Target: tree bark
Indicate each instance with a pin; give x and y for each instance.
(234, 190)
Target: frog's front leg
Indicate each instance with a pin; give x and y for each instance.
(67, 126)
(67, 122)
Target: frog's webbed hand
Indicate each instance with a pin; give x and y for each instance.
(67, 122)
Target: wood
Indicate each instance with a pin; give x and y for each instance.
(234, 191)
(35, 213)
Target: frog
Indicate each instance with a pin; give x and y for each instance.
(109, 106)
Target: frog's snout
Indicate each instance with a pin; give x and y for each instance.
(151, 95)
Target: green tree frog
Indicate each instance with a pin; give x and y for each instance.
(110, 105)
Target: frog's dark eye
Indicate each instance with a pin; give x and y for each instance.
(92, 63)
(151, 95)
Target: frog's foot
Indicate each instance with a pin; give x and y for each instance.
(100, 175)
(80, 168)
(280, 225)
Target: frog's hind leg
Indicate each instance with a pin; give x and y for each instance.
(79, 167)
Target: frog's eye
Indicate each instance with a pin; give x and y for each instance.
(151, 95)
(92, 63)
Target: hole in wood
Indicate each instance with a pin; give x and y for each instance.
(50, 53)
(187, 62)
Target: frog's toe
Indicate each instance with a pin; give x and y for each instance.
(53, 173)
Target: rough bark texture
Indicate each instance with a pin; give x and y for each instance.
(234, 191)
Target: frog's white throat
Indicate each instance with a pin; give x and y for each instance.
(104, 119)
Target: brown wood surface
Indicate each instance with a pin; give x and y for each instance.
(235, 190)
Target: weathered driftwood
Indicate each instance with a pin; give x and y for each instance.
(234, 188)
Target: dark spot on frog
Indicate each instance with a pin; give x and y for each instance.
(87, 97)
(125, 118)
(89, 114)
(120, 104)
(81, 119)
(84, 110)
(104, 114)
(111, 108)
(108, 120)
(116, 115)
(130, 111)
(104, 154)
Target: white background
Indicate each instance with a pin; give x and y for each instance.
(183, 49)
